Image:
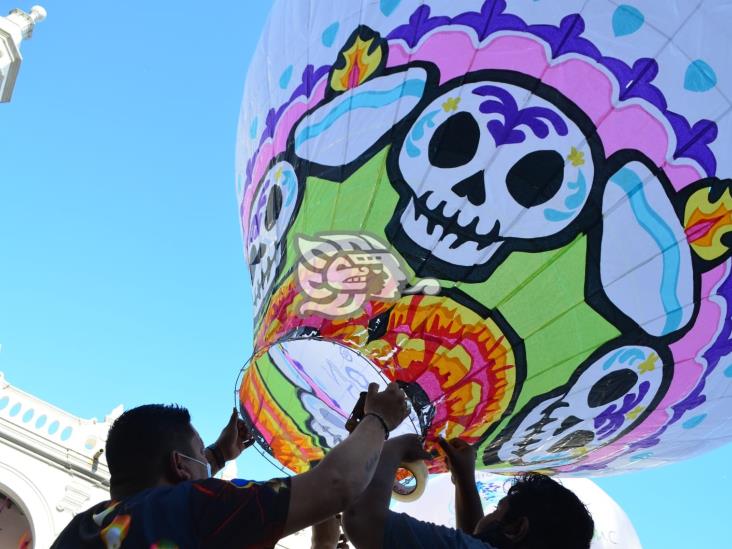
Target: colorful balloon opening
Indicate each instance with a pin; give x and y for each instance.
(297, 394)
(405, 482)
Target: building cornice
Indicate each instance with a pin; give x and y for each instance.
(53, 454)
(15, 27)
(46, 432)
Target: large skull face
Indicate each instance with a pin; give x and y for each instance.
(610, 396)
(273, 207)
(484, 166)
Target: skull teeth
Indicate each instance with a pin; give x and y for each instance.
(431, 224)
(443, 238)
(432, 201)
(262, 279)
(466, 220)
(464, 230)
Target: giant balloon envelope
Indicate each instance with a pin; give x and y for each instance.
(520, 212)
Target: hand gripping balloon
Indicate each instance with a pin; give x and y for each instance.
(519, 211)
(411, 478)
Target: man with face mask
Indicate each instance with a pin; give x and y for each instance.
(537, 512)
(162, 495)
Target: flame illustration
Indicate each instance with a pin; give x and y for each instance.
(705, 223)
(358, 62)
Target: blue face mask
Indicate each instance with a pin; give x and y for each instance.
(204, 463)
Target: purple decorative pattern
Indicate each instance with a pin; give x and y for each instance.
(535, 118)
(310, 77)
(611, 419)
(420, 23)
(634, 82)
(719, 349)
(692, 141)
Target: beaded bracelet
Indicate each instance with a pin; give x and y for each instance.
(218, 456)
(383, 423)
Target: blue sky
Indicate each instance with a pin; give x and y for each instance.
(122, 276)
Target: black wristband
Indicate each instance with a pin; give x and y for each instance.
(383, 423)
(218, 456)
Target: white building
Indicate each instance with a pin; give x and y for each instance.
(17, 26)
(52, 466)
(52, 463)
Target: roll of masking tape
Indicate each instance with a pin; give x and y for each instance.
(410, 481)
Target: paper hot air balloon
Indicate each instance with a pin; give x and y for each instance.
(519, 211)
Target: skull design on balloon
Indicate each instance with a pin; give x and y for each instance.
(489, 166)
(274, 204)
(603, 401)
(554, 265)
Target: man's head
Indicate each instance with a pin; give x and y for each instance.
(153, 445)
(537, 513)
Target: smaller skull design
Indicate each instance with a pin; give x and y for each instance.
(485, 165)
(273, 208)
(610, 396)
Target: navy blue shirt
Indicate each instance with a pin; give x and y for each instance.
(404, 532)
(206, 513)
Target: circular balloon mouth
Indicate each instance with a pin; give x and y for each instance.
(296, 395)
(405, 482)
(410, 481)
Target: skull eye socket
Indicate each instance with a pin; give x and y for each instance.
(455, 142)
(577, 439)
(536, 178)
(611, 387)
(256, 253)
(274, 207)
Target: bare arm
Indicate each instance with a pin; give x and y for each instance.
(461, 461)
(327, 535)
(364, 520)
(347, 469)
(233, 440)
(468, 507)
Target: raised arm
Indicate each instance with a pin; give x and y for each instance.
(345, 472)
(364, 520)
(461, 461)
(327, 535)
(233, 440)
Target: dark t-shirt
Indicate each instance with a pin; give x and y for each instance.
(404, 532)
(207, 513)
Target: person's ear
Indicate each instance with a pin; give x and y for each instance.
(177, 470)
(518, 530)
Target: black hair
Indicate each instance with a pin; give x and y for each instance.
(140, 441)
(557, 517)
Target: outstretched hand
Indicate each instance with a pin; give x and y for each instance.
(460, 457)
(391, 404)
(234, 438)
(327, 534)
